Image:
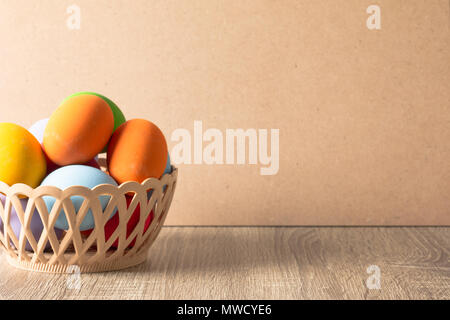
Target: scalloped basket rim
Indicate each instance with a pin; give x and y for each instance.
(22, 186)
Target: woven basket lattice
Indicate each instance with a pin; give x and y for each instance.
(91, 253)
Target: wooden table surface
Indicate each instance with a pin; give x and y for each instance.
(263, 263)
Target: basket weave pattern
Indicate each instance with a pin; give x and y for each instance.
(90, 253)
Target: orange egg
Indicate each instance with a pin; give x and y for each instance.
(137, 151)
(78, 130)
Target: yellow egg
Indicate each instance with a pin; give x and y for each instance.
(21, 156)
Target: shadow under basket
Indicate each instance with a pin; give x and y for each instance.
(68, 251)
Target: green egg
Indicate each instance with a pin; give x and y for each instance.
(119, 118)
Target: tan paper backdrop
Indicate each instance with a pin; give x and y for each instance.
(364, 115)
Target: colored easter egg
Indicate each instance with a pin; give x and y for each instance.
(53, 166)
(168, 168)
(36, 227)
(113, 223)
(119, 118)
(21, 156)
(137, 151)
(93, 163)
(77, 175)
(37, 130)
(78, 130)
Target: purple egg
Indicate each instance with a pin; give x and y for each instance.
(36, 225)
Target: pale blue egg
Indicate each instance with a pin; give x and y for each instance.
(166, 171)
(37, 129)
(168, 166)
(77, 175)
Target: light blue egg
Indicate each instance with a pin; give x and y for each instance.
(166, 171)
(37, 129)
(77, 175)
(168, 166)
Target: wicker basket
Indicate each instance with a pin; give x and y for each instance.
(90, 253)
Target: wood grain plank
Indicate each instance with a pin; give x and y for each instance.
(263, 263)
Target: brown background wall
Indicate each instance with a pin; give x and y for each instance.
(364, 115)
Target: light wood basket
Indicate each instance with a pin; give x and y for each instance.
(90, 253)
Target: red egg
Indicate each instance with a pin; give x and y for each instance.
(113, 223)
(51, 166)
